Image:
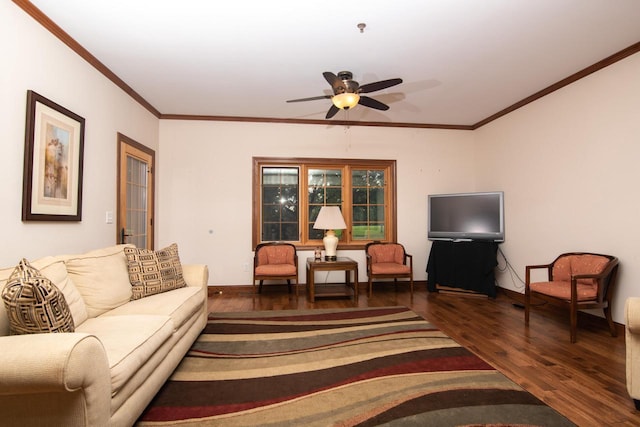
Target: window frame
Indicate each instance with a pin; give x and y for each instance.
(347, 165)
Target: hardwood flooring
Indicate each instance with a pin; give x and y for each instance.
(584, 381)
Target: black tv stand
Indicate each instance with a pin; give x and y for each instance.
(467, 265)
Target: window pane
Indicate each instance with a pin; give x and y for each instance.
(324, 188)
(360, 214)
(316, 195)
(359, 196)
(368, 204)
(270, 213)
(359, 178)
(290, 231)
(376, 196)
(334, 177)
(280, 198)
(334, 196)
(376, 213)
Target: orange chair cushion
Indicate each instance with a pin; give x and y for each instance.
(389, 268)
(562, 290)
(387, 253)
(276, 255)
(276, 270)
(572, 265)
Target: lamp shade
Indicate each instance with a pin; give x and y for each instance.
(346, 100)
(329, 218)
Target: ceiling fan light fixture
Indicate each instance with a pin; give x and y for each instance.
(346, 100)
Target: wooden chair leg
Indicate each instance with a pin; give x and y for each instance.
(411, 285)
(574, 324)
(260, 287)
(289, 285)
(527, 303)
(370, 287)
(612, 326)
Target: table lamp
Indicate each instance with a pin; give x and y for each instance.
(330, 219)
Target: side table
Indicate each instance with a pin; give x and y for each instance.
(342, 263)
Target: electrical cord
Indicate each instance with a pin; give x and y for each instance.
(512, 272)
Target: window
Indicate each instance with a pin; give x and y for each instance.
(288, 194)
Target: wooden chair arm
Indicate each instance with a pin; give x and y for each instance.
(528, 269)
(406, 255)
(368, 258)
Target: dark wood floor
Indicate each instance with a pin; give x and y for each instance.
(584, 381)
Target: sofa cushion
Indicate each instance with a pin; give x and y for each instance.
(54, 269)
(180, 304)
(102, 278)
(154, 272)
(129, 341)
(34, 304)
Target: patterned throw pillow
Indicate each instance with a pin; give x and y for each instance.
(34, 304)
(152, 272)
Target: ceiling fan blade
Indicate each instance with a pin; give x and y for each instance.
(313, 98)
(382, 84)
(372, 103)
(332, 111)
(335, 82)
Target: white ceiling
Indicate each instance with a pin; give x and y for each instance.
(461, 60)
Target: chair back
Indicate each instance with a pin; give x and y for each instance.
(604, 267)
(275, 253)
(385, 252)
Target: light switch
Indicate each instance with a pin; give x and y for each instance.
(109, 217)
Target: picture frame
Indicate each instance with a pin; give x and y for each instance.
(53, 162)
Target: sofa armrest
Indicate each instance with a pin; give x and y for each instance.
(38, 371)
(196, 274)
(632, 314)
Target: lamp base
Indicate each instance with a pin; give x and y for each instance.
(330, 258)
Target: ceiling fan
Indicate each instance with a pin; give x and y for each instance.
(346, 92)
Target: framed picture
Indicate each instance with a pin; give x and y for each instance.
(53, 152)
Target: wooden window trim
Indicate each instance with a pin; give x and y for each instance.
(319, 163)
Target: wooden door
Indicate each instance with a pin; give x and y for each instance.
(135, 193)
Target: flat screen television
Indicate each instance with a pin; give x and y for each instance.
(466, 216)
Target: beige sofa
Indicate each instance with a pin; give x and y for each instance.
(121, 353)
(632, 337)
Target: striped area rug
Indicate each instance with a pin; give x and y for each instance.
(340, 367)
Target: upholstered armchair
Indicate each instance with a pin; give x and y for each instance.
(388, 261)
(275, 261)
(577, 281)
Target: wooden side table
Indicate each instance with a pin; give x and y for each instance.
(342, 263)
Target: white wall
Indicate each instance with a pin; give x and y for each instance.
(205, 199)
(568, 164)
(33, 59)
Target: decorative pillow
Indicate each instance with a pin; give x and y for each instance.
(152, 272)
(34, 304)
(54, 269)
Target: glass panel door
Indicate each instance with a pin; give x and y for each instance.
(135, 201)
